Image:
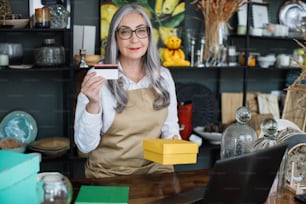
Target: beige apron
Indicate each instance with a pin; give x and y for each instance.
(120, 150)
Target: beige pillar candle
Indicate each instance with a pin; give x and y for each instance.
(4, 60)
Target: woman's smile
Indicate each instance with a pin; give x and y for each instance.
(134, 48)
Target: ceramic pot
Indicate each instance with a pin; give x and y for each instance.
(283, 60)
(49, 54)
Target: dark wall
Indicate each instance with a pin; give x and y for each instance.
(88, 13)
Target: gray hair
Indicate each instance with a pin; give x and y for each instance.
(150, 60)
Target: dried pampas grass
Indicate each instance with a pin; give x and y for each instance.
(216, 12)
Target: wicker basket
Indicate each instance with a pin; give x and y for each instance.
(295, 102)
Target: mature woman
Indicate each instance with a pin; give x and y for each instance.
(113, 117)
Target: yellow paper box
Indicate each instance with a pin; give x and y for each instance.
(168, 151)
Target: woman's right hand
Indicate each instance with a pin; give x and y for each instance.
(90, 87)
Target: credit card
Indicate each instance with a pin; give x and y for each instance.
(108, 71)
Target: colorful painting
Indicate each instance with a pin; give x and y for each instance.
(167, 17)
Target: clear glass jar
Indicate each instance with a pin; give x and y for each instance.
(238, 138)
(49, 54)
(59, 16)
(54, 187)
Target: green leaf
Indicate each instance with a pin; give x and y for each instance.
(120, 2)
(145, 4)
(173, 21)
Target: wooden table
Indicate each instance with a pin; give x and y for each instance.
(149, 188)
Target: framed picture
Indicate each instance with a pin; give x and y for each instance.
(260, 15)
(166, 16)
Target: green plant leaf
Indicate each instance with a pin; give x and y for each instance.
(120, 2)
(172, 21)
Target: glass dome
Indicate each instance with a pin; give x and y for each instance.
(238, 138)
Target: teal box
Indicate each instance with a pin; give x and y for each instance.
(18, 177)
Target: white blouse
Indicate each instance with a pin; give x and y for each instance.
(88, 127)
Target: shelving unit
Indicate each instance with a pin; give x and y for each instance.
(243, 78)
(47, 93)
(258, 44)
(230, 79)
(34, 38)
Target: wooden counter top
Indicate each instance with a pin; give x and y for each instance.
(149, 188)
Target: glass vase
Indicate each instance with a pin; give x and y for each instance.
(54, 188)
(217, 45)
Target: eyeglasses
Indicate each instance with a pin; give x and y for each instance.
(126, 33)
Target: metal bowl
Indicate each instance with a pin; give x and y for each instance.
(16, 23)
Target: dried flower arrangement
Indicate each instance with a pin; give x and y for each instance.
(215, 13)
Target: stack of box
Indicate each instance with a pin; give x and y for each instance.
(168, 151)
(18, 176)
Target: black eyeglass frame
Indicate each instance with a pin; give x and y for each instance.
(134, 31)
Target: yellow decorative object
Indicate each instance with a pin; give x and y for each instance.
(173, 55)
(180, 8)
(158, 7)
(169, 6)
(168, 151)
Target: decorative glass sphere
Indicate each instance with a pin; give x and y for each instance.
(54, 187)
(238, 138)
(269, 128)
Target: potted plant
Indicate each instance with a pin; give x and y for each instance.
(5, 10)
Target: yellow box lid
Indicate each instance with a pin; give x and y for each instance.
(170, 146)
(166, 159)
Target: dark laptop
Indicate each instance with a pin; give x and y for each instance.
(242, 179)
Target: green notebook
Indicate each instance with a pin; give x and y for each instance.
(103, 194)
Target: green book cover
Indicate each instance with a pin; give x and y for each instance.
(103, 195)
